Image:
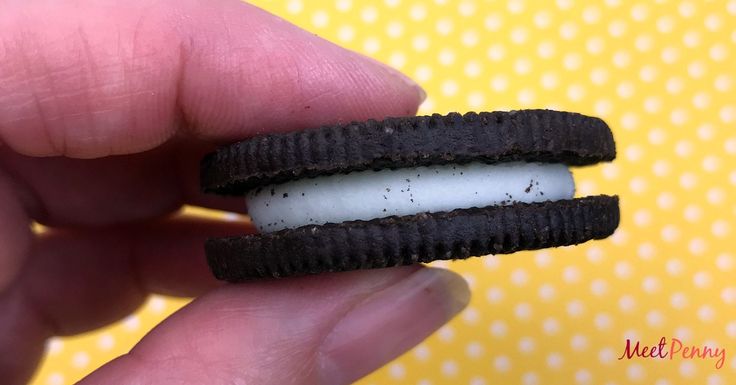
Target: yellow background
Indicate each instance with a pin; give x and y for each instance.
(662, 74)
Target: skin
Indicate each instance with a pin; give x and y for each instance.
(106, 108)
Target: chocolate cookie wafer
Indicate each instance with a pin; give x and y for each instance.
(406, 190)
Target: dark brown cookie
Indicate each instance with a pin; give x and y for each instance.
(529, 135)
(405, 240)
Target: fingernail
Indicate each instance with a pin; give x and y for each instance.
(390, 322)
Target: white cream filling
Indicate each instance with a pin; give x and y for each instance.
(365, 195)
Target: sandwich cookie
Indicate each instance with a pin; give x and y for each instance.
(408, 190)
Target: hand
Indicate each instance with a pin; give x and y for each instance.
(105, 110)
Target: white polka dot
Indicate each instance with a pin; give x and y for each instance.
(638, 185)
(449, 88)
(661, 168)
(522, 66)
(474, 349)
(294, 6)
(635, 372)
(692, 213)
(320, 19)
(631, 334)
(449, 368)
(657, 136)
(526, 96)
(418, 12)
(702, 279)
(674, 267)
(639, 12)
(542, 258)
(54, 346)
(687, 369)
(620, 237)
(568, 30)
(728, 295)
(727, 114)
(720, 228)
(688, 180)
(469, 38)
(549, 80)
(599, 76)
(648, 73)
(670, 233)
(617, 28)
(706, 313)
(691, 38)
(55, 378)
(623, 270)
(627, 303)
(714, 379)
(523, 311)
(644, 42)
(371, 45)
(477, 381)
(650, 284)
(397, 371)
(697, 246)
(369, 14)
(575, 92)
(420, 43)
(655, 318)
(625, 89)
(591, 14)
(679, 116)
(502, 364)
(446, 333)
(422, 352)
(531, 378)
(472, 68)
(629, 121)
(599, 287)
(646, 251)
(606, 356)
(594, 45)
(131, 323)
(701, 100)
(603, 107)
(665, 200)
(345, 33)
(665, 24)
(725, 262)
(602, 321)
(496, 52)
(715, 196)
(498, 328)
(397, 60)
(674, 85)
(711, 163)
(493, 22)
(466, 8)
(713, 22)
(571, 274)
(579, 342)
(678, 300)
(423, 73)
(394, 29)
(683, 333)
(555, 360)
(575, 308)
(476, 100)
(519, 35)
(105, 341)
(670, 55)
(526, 345)
(550, 326)
(157, 304)
(343, 5)
(652, 104)
(499, 83)
(494, 295)
(621, 59)
(723, 83)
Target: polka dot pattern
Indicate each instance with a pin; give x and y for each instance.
(661, 74)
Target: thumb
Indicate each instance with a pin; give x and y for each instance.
(327, 329)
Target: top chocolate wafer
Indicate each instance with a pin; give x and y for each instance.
(490, 137)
